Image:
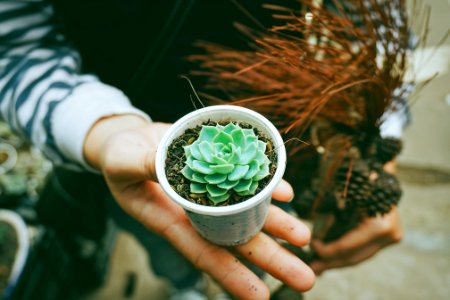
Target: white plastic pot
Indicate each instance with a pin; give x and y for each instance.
(225, 225)
(22, 248)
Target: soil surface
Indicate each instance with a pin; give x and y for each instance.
(176, 158)
(8, 248)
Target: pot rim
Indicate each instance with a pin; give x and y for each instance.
(229, 111)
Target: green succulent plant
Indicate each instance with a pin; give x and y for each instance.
(225, 159)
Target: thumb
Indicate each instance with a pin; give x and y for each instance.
(129, 158)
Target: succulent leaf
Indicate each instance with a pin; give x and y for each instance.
(197, 177)
(253, 169)
(195, 151)
(223, 138)
(249, 153)
(187, 172)
(251, 190)
(207, 151)
(215, 178)
(262, 146)
(243, 185)
(227, 184)
(222, 169)
(239, 138)
(197, 188)
(218, 199)
(225, 159)
(202, 167)
(214, 190)
(238, 172)
(229, 128)
(208, 133)
(235, 156)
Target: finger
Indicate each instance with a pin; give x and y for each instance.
(351, 259)
(351, 241)
(270, 256)
(284, 226)
(283, 192)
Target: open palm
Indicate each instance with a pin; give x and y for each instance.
(127, 162)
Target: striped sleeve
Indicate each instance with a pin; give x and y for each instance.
(43, 96)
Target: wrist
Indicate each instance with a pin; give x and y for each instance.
(101, 132)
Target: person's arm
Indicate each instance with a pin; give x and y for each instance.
(78, 121)
(43, 95)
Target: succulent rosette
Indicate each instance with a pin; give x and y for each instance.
(225, 159)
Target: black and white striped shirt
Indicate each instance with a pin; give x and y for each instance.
(43, 95)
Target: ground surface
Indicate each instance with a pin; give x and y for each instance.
(418, 268)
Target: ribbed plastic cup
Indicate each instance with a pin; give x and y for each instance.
(233, 224)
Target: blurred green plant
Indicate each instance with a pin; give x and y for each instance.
(23, 168)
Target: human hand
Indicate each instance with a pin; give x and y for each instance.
(124, 148)
(359, 244)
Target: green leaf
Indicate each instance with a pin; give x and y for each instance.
(208, 133)
(187, 151)
(202, 167)
(215, 191)
(230, 127)
(198, 178)
(216, 178)
(195, 151)
(263, 172)
(187, 172)
(253, 187)
(190, 162)
(223, 137)
(235, 156)
(253, 169)
(251, 139)
(218, 147)
(198, 188)
(207, 151)
(238, 172)
(251, 190)
(219, 161)
(222, 169)
(238, 138)
(243, 185)
(248, 132)
(218, 199)
(228, 184)
(248, 154)
(261, 157)
(225, 149)
(262, 146)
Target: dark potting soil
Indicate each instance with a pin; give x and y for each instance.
(176, 158)
(8, 249)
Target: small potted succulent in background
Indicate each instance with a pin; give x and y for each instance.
(14, 248)
(221, 164)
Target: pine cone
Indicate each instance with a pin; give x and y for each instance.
(386, 192)
(358, 185)
(387, 148)
(376, 196)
